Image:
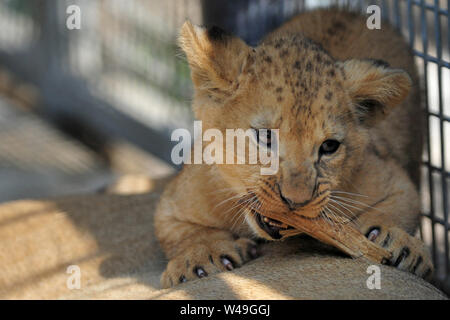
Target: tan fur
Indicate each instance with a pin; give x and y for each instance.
(111, 239)
(315, 78)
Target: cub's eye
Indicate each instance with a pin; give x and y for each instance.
(264, 137)
(329, 147)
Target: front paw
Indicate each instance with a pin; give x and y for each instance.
(408, 253)
(202, 260)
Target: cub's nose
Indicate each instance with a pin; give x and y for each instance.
(294, 197)
(288, 201)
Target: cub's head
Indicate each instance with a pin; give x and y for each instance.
(323, 110)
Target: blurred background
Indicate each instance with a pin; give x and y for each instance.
(78, 108)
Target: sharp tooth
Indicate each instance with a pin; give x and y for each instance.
(266, 219)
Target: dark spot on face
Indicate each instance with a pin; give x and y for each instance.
(297, 64)
(283, 53)
(279, 89)
(318, 47)
(331, 73)
(329, 95)
(318, 58)
(250, 60)
(268, 59)
(309, 66)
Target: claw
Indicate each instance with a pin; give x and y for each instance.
(373, 234)
(227, 263)
(200, 272)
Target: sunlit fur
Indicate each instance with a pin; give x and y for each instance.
(323, 75)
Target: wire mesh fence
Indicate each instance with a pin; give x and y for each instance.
(122, 72)
(425, 24)
(119, 73)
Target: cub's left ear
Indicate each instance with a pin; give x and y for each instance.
(374, 88)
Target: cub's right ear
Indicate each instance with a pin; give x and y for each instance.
(375, 88)
(215, 57)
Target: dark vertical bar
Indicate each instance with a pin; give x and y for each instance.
(262, 17)
(438, 40)
(257, 17)
(397, 14)
(423, 25)
(224, 14)
(280, 17)
(411, 31)
(411, 25)
(448, 47)
(297, 7)
(441, 120)
(384, 10)
(359, 6)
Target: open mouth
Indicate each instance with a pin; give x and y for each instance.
(270, 226)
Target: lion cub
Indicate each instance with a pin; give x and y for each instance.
(346, 102)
